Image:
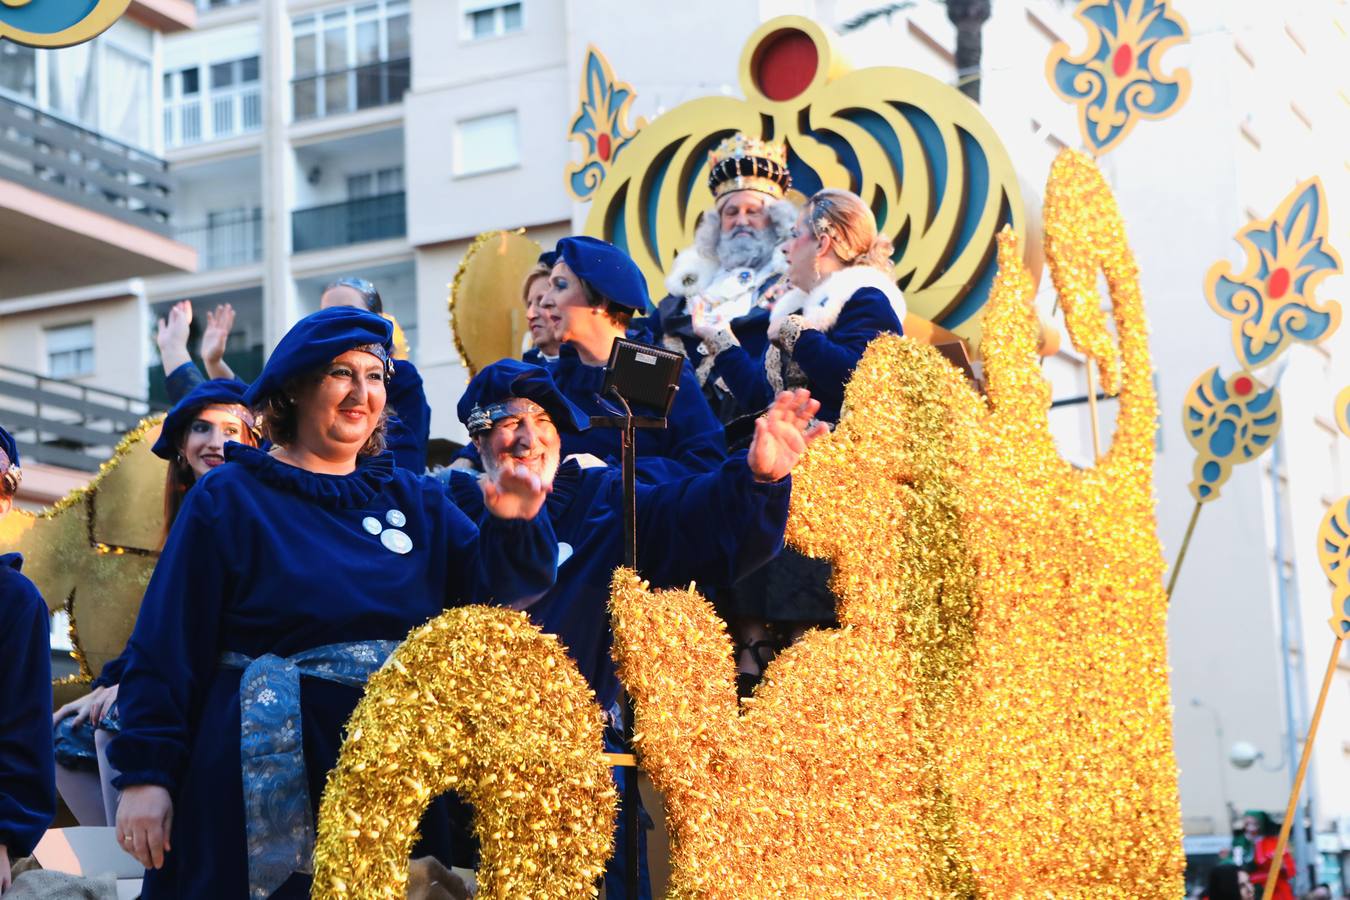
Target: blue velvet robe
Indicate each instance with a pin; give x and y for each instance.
(409, 426)
(268, 558)
(827, 358)
(711, 528)
(27, 769)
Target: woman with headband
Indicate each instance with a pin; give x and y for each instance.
(192, 440)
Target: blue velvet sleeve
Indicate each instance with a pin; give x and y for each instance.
(180, 382)
(695, 440)
(712, 528)
(27, 772)
(174, 647)
(112, 670)
(744, 376)
(829, 358)
(410, 426)
(506, 561)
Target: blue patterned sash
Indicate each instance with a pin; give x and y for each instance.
(277, 814)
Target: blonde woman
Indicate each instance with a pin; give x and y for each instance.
(842, 296)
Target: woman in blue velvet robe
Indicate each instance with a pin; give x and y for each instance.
(842, 297)
(594, 290)
(27, 777)
(192, 441)
(288, 578)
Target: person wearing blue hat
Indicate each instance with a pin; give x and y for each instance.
(594, 291)
(711, 528)
(27, 776)
(409, 427)
(288, 578)
(192, 440)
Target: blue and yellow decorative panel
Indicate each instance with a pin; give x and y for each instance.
(1118, 79)
(1342, 407)
(916, 150)
(1228, 422)
(600, 124)
(1271, 303)
(57, 23)
(1333, 550)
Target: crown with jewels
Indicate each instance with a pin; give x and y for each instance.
(742, 163)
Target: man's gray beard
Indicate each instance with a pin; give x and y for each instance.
(745, 251)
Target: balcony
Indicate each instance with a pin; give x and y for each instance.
(353, 222)
(226, 241)
(78, 207)
(48, 153)
(231, 114)
(348, 90)
(66, 424)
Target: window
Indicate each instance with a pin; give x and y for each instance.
(492, 19)
(375, 184)
(229, 96)
(487, 143)
(70, 350)
(18, 70)
(350, 58)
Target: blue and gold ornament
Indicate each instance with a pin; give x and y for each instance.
(600, 124)
(1271, 303)
(1118, 79)
(1228, 422)
(57, 23)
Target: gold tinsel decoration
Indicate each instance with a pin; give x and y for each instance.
(992, 719)
(93, 558)
(480, 702)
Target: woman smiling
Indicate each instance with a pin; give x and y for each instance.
(288, 578)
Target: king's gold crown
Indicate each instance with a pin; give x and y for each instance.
(742, 163)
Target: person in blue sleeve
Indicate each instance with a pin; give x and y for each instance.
(27, 776)
(192, 440)
(842, 296)
(288, 577)
(709, 528)
(409, 426)
(594, 291)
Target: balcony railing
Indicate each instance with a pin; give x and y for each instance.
(60, 158)
(231, 113)
(65, 424)
(339, 224)
(347, 90)
(234, 240)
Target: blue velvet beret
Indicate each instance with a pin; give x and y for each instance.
(608, 270)
(218, 391)
(317, 340)
(509, 378)
(9, 447)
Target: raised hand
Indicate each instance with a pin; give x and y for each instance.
(783, 433)
(700, 322)
(171, 336)
(219, 323)
(514, 492)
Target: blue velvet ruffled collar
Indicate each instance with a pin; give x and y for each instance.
(358, 489)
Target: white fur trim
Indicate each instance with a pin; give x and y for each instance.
(820, 309)
(691, 273)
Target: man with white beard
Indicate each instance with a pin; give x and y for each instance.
(734, 268)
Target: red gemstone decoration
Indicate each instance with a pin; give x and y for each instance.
(1242, 386)
(602, 146)
(1278, 283)
(785, 64)
(1121, 62)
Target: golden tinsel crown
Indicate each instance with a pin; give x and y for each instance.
(743, 163)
